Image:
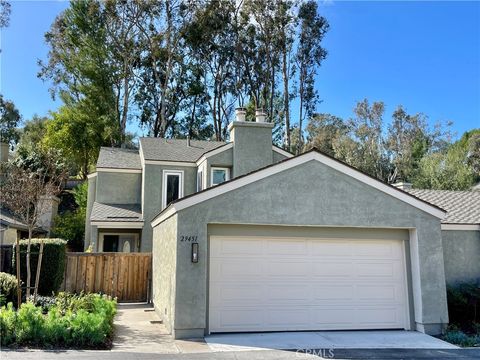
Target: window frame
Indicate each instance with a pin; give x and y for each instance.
(199, 177)
(166, 173)
(227, 174)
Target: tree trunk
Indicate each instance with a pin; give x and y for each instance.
(37, 275)
(28, 262)
(286, 100)
(123, 123)
(19, 283)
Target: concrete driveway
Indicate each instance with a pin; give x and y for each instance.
(326, 340)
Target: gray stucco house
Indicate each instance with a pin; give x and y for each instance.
(247, 237)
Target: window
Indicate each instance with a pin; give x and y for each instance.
(172, 186)
(200, 180)
(219, 175)
(110, 243)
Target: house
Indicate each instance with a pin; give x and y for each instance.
(247, 237)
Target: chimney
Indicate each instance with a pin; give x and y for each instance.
(403, 185)
(188, 140)
(4, 152)
(252, 143)
(260, 116)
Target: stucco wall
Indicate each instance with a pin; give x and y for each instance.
(152, 204)
(163, 271)
(118, 188)
(277, 157)
(310, 194)
(461, 252)
(8, 236)
(92, 190)
(223, 159)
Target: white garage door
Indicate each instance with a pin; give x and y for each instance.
(263, 284)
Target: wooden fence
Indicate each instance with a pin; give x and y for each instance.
(126, 276)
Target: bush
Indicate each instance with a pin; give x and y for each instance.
(53, 263)
(455, 336)
(464, 305)
(8, 288)
(67, 323)
(45, 302)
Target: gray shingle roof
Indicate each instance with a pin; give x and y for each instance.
(118, 158)
(176, 149)
(463, 207)
(10, 220)
(116, 212)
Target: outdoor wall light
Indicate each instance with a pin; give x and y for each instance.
(194, 252)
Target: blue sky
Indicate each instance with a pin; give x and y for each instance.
(424, 55)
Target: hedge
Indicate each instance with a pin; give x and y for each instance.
(53, 263)
(8, 288)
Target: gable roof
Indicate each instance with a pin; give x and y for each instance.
(9, 220)
(116, 158)
(313, 154)
(159, 149)
(463, 207)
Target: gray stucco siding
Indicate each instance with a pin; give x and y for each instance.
(163, 271)
(223, 159)
(118, 188)
(277, 157)
(152, 199)
(311, 194)
(461, 251)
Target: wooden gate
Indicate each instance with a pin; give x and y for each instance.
(126, 276)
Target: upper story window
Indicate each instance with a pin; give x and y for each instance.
(219, 175)
(200, 180)
(172, 186)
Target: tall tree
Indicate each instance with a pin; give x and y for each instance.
(323, 130)
(9, 121)
(5, 10)
(309, 56)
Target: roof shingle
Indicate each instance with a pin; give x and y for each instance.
(463, 207)
(116, 212)
(118, 158)
(176, 149)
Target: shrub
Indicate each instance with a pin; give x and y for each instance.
(8, 288)
(72, 325)
(53, 263)
(455, 336)
(464, 305)
(45, 302)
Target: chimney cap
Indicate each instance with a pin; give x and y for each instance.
(260, 115)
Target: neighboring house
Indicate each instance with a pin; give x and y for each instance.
(247, 237)
(11, 228)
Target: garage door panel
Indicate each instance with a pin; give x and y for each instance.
(306, 284)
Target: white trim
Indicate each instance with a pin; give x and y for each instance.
(165, 173)
(119, 170)
(118, 224)
(92, 175)
(282, 152)
(227, 173)
(142, 163)
(214, 152)
(474, 227)
(199, 174)
(291, 163)
(170, 163)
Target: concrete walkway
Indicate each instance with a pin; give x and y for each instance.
(138, 329)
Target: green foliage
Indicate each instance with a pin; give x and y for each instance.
(8, 288)
(45, 302)
(464, 305)
(53, 263)
(455, 336)
(71, 224)
(9, 120)
(453, 169)
(78, 322)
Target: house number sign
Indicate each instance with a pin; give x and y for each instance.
(188, 238)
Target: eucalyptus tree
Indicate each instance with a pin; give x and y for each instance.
(309, 56)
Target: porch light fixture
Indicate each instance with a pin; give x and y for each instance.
(195, 252)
